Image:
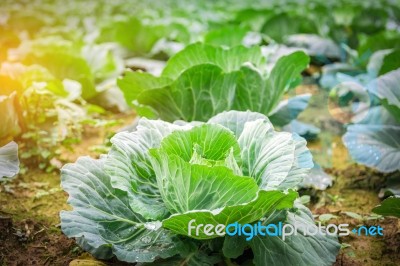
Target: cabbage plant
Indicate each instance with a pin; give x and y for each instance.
(203, 80)
(374, 141)
(136, 202)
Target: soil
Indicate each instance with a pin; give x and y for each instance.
(30, 203)
(359, 195)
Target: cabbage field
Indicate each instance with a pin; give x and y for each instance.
(199, 133)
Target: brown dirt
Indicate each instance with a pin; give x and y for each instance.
(32, 243)
(355, 190)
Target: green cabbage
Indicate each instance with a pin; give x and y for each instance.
(203, 80)
(136, 201)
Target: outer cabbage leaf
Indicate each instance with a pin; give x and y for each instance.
(228, 60)
(330, 78)
(134, 83)
(389, 207)
(259, 94)
(315, 45)
(376, 61)
(317, 178)
(374, 145)
(289, 109)
(200, 92)
(390, 62)
(266, 201)
(9, 162)
(286, 73)
(296, 249)
(102, 216)
(378, 115)
(234, 246)
(373, 141)
(383, 61)
(307, 131)
(386, 87)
